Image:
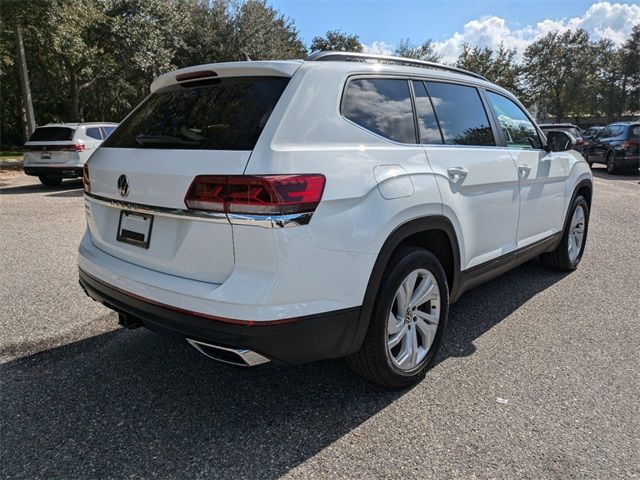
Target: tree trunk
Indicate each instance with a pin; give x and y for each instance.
(27, 115)
(74, 105)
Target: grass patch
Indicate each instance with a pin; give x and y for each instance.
(8, 155)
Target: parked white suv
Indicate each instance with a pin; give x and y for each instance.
(291, 211)
(59, 150)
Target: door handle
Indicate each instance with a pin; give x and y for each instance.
(524, 170)
(457, 173)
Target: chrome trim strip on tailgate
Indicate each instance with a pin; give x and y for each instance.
(264, 221)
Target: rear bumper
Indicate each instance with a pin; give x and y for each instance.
(289, 341)
(59, 171)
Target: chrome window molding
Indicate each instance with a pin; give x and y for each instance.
(264, 221)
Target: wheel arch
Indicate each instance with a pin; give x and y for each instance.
(434, 233)
(585, 188)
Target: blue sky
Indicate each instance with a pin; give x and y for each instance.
(380, 24)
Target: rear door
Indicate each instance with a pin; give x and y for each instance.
(50, 146)
(478, 181)
(140, 175)
(542, 175)
(600, 146)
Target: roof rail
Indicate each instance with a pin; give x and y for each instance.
(345, 56)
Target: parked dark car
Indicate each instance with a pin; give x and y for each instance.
(566, 127)
(617, 146)
(589, 136)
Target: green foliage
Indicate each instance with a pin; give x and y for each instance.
(498, 66)
(556, 68)
(425, 51)
(94, 59)
(336, 41)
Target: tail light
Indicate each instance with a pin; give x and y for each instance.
(265, 195)
(86, 182)
(579, 141)
(626, 145)
(78, 147)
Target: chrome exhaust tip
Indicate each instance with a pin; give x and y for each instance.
(234, 356)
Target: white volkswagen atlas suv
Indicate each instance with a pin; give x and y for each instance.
(292, 211)
(59, 150)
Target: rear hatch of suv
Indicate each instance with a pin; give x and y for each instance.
(198, 122)
(52, 145)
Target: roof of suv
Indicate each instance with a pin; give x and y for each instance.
(287, 68)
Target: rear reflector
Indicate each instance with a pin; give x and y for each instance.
(263, 195)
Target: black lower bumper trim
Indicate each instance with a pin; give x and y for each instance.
(67, 172)
(301, 340)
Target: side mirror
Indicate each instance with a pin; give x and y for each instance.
(560, 141)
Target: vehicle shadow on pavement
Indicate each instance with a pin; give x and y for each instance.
(133, 404)
(483, 307)
(130, 404)
(65, 187)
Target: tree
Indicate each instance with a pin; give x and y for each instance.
(95, 59)
(555, 66)
(498, 66)
(425, 52)
(630, 59)
(336, 41)
(604, 92)
(265, 34)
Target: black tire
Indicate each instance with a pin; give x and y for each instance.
(560, 259)
(612, 167)
(372, 360)
(50, 180)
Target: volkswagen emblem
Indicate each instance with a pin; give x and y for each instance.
(123, 185)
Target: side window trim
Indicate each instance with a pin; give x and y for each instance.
(501, 140)
(412, 95)
(415, 111)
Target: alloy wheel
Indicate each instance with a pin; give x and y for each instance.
(413, 319)
(576, 233)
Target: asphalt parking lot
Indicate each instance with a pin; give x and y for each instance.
(539, 377)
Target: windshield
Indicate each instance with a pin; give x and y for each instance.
(218, 114)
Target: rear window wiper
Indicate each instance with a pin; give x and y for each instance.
(143, 139)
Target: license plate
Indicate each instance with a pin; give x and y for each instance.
(45, 156)
(135, 228)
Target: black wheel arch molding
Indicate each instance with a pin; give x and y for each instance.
(420, 225)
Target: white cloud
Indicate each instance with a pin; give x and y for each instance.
(601, 20)
(378, 48)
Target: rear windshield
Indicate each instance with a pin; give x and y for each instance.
(219, 114)
(52, 134)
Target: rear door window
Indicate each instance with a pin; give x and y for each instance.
(94, 132)
(52, 134)
(461, 114)
(212, 114)
(381, 105)
(516, 127)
